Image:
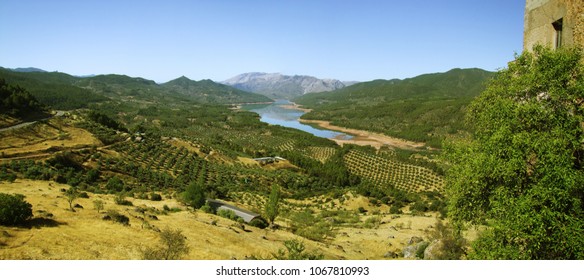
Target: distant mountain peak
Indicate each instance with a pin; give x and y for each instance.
(27, 69)
(277, 85)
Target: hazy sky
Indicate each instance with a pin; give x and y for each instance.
(217, 39)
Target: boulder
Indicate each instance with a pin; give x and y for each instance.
(432, 252)
(414, 240)
(411, 251)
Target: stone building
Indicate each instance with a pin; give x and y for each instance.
(553, 23)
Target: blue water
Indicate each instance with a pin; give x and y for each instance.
(276, 115)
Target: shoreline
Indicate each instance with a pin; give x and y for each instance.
(366, 138)
(295, 106)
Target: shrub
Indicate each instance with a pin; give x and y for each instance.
(155, 197)
(295, 251)
(121, 200)
(115, 184)
(229, 215)
(98, 205)
(208, 209)
(14, 209)
(118, 218)
(173, 246)
(259, 223)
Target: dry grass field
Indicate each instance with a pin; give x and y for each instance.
(44, 137)
(55, 232)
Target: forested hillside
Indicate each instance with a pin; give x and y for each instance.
(424, 108)
(66, 92)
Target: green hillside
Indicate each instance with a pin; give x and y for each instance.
(424, 108)
(57, 90)
(66, 92)
(207, 91)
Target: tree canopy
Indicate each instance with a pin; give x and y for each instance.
(520, 170)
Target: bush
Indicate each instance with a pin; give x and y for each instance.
(259, 223)
(155, 197)
(173, 246)
(121, 200)
(118, 218)
(295, 251)
(229, 215)
(208, 209)
(14, 209)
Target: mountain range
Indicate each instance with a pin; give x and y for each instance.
(65, 92)
(278, 86)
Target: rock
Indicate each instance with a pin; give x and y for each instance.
(432, 252)
(411, 250)
(153, 217)
(414, 240)
(391, 255)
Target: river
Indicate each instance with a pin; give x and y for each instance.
(275, 114)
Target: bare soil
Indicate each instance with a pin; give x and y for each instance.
(366, 138)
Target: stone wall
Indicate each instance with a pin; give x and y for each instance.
(539, 16)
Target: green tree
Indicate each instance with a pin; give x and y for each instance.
(71, 194)
(194, 195)
(14, 209)
(273, 204)
(98, 205)
(520, 171)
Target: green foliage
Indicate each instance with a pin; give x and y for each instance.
(424, 108)
(18, 102)
(71, 194)
(54, 89)
(207, 208)
(272, 205)
(173, 246)
(98, 205)
(117, 217)
(294, 250)
(155, 197)
(207, 91)
(259, 223)
(120, 199)
(521, 171)
(115, 184)
(105, 120)
(194, 195)
(14, 209)
(313, 227)
(228, 214)
(452, 244)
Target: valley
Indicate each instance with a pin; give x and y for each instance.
(342, 202)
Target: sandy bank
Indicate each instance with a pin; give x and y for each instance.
(366, 138)
(295, 106)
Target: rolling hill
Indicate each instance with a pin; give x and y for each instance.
(424, 108)
(207, 91)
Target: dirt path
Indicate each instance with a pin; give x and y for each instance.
(366, 138)
(24, 124)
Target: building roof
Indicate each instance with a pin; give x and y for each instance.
(246, 215)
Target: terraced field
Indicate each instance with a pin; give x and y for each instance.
(382, 171)
(321, 154)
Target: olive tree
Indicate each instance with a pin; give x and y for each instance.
(520, 170)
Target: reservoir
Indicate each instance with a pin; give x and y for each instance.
(275, 114)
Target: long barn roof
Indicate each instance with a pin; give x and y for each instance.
(246, 215)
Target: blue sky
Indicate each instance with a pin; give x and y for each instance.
(347, 40)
